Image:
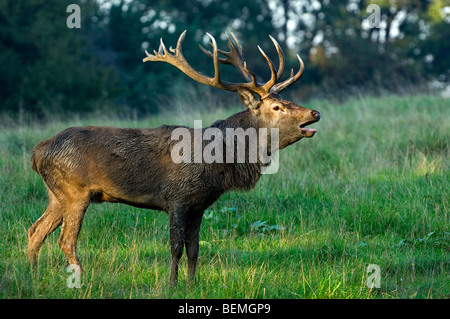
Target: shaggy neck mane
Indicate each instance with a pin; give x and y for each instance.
(239, 176)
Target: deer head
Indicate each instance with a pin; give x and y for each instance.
(269, 110)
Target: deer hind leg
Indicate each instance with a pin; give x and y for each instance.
(46, 224)
(72, 221)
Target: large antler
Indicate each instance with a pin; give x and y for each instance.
(233, 57)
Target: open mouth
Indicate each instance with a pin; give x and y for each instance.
(307, 131)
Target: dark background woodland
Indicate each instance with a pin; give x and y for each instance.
(47, 67)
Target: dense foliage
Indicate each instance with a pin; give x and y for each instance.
(46, 66)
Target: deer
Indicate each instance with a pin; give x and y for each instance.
(94, 164)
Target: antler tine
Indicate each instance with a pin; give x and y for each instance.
(280, 57)
(180, 43)
(292, 78)
(149, 57)
(239, 46)
(215, 59)
(162, 48)
(273, 77)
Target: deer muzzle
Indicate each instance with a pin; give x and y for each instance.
(310, 132)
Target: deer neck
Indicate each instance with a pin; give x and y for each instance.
(266, 137)
(242, 174)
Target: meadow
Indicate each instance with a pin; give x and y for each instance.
(372, 187)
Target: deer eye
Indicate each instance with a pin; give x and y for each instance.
(276, 107)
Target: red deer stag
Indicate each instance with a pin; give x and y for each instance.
(81, 165)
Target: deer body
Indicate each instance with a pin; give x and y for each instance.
(134, 166)
(82, 165)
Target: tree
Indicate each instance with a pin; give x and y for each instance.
(342, 52)
(45, 65)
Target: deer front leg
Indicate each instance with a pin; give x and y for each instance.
(71, 225)
(192, 242)
(177, 221)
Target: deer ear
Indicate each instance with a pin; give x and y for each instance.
(249, 99)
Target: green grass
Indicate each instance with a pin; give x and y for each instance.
(372, 187)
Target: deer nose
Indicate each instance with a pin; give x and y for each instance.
(315, 114)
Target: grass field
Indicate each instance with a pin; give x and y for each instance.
(372, 187)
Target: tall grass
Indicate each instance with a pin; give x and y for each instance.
(372, 187)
